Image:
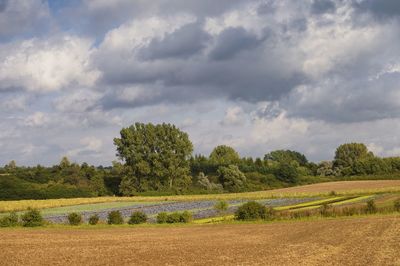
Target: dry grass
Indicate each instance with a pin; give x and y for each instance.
(342, 187)
(357, 241)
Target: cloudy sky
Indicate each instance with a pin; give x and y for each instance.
(257, 75)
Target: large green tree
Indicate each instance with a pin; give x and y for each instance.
(232, 178)
(224, 155)
(157, 156)
(348, 154)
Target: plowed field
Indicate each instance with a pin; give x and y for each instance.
(357, 241)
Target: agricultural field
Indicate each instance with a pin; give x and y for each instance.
(300, 198)
(373, 240)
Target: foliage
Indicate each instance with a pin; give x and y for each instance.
(224, 155)
(115, 217)
(137, 217)
(287, 173)
(162, 217)
(347, 155)
(205, 183)
(9, 220)
(174, 217)
(396, 205)
(371, 206)
(32, 218)
(94, 219)
(232, 178)
(156, 154)
(286, 156)
(221, 206)
(74, 218)
(251, 210)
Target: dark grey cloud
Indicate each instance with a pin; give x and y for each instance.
(3, 5)
(323, 6)
(381, 9)
(182, 43)
(232, 41)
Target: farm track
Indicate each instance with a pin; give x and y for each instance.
(356, 241)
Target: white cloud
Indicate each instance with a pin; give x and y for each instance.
(37, 119)
(46, 65)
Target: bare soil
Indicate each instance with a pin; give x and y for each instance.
(341, 186)
(371, 240)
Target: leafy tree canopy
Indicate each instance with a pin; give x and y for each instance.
(157, 155)
(286, 156)
(224, 155)
(347, 155)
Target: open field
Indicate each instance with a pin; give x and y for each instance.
(342, 187)
(371, 240)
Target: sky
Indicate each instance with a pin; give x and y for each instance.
(258, 75)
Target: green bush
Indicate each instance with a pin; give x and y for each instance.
(162, 217)
(137, 218)
(74, 218)
(32, 218)
(186, 217)
(371, 207)
(94, 219)
(115, 217)
(396, 205)
(251, 211)
(221, 206)
(9, 221)
(174, 217)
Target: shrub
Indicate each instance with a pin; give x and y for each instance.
(251, 211)
(74, 218)
(186, 217)
(162, 217)
(332, 193)
(325, 210)
(32, 218)
(221, 206)
(94, 219)
(174, 217)
(10, 220)
(137, 218)
(396, 205)
(371, 207)
(115, 217)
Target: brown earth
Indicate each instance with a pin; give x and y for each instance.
(356, 241)
(341, 186)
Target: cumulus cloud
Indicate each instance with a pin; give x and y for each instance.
(46, 65)
(257, 75)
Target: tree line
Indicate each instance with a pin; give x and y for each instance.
(156, 159)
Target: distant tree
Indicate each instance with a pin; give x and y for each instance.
(11, 165)
(347, 155)
(286, 156)
(287, 172)
(64, 163)
(205, 183)
(157, 155)
(232, 178)
(224, 155)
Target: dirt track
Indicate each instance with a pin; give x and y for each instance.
(359, 241)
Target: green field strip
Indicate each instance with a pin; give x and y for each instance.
(312, 203)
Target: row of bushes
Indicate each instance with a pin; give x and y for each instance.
(33, 218)
(256, 211)
(30, 218)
